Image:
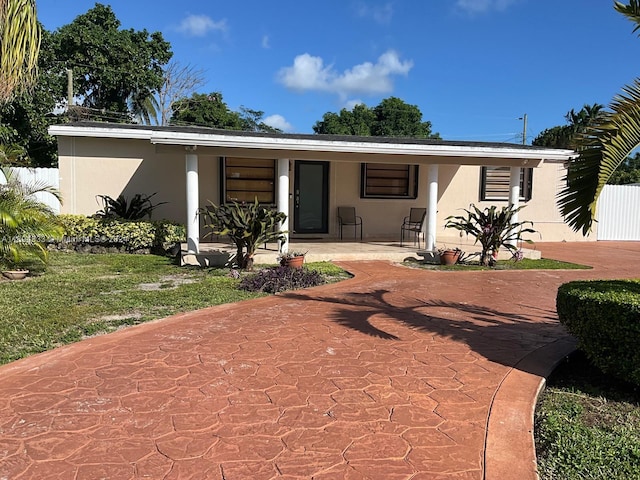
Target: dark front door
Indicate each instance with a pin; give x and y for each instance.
(311, 190)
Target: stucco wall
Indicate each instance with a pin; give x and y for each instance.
(90, 167)
(93, 166)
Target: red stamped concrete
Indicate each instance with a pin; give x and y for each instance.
(395, 374)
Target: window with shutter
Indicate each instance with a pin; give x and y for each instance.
(387, 180)
(248, 178)
(495, 183)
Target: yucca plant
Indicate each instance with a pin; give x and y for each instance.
(493, 229)
(247, 225)
(25, 222)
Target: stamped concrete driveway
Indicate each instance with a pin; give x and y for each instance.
(396, 374)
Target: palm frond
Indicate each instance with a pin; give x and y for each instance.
(631, 11)
(603, 147)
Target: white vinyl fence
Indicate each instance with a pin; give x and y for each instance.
(45, 176)
(619, 213)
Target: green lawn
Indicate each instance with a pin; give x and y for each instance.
(587, 425)
(81, 295)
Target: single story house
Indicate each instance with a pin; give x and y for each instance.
(309, 176)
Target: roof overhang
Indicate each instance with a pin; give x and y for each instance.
(319, 147)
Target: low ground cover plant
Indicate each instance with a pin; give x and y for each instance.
(524, 264)
(587, 425)
(281, 278)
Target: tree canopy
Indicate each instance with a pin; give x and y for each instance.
(392, 117)
(210, 110)
(563, 136)
(114, 69)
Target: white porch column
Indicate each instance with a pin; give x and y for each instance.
(283, 198)
(432, 208)
(514, 192)
(193, 224)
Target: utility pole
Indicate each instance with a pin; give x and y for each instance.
(524, 129)
(69, 87)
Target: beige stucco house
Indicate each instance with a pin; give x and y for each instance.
(309, 176)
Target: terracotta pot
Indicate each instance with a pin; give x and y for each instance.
(449, 257)
(15, 274)
(294, 262)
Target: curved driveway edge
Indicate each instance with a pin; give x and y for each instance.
(390, 375)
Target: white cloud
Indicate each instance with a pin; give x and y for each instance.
(278, 121)
(380, 13)
(310, 73)
(265, 42)
(200, 25)
(349, 105)
(482, 6)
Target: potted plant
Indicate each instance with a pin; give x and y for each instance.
(292, 259)
(449, 256)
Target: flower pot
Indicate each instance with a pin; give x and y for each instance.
(449, 257)
(293, 262)
(15, 274)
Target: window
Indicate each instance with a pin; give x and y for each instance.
(248, 178)
(495, 183)
(387, 180)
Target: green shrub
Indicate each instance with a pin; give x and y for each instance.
(604, 315)
(131, 235)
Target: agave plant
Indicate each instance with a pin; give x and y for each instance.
(493, 229)
(25, 222)
(248, 226)
(138, 207)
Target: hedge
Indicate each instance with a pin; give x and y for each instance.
(604, 316)
(127, 235)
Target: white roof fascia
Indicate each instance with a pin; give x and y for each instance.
(99, 132)
(275, 143)
(306, 144)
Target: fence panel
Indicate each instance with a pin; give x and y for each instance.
(46, 176)
(619, 213)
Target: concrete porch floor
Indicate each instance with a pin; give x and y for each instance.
(216, 254)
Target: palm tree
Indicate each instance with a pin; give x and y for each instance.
(19, 46)
(603, 147)
(25, 222)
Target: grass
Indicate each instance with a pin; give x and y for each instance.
(82, 295)
(524, 264)
(587, 425)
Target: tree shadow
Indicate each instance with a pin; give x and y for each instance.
(500, 336)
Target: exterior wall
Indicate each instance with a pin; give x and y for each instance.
(94, 166)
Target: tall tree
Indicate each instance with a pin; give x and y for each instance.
(563, 136)
(207, 110)
(19, 46)
(210, 110)
(113, 68)
(391, 118)
(180, 81)
(602, 147)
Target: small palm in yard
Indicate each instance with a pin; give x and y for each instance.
(25, 222)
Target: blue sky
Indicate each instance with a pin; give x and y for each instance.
(473, 67)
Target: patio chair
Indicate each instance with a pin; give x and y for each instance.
(413, 224)
(347, 217)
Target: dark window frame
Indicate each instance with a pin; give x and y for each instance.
(367, 181)
(526, 185)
